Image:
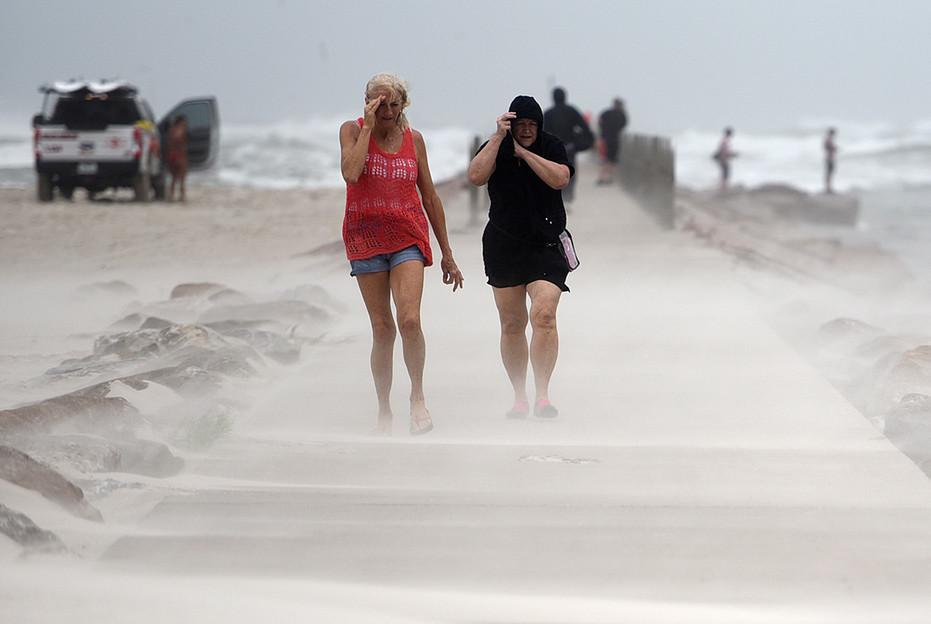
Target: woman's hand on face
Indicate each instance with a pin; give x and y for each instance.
(504, 123)
(371, 107)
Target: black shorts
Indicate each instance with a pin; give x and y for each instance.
(510, 262)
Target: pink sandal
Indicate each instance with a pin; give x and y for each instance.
(545, 409)
(521, 409)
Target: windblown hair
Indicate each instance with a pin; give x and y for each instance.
(398, 90)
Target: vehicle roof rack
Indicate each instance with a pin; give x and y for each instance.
(96, 87)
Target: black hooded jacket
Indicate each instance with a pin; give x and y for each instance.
(523, 205)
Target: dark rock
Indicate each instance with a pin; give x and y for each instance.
(892, 343)
(131, 321)
(92, 453)
(99, 488)
(913, 368)
(153, 322)
(908, 426)
(26, 533)
(229, 296)
(841, 329)
(80, 412)
(196, 289)
(84, 453)
(158, 341)
(149, 458)
(270, 344)
(186, 380)
(20, 469)
(127, 345)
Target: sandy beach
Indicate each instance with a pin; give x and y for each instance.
(200, 373)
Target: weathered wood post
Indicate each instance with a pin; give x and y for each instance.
(647, 171)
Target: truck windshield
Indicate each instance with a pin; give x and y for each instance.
(94, 114)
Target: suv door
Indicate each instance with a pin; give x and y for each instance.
(203, 128)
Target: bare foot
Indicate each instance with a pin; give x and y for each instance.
(383, 430)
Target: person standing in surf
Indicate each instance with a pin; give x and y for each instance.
(525, 169)
(724, 154)
(384, 164)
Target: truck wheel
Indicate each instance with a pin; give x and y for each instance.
(142, 186)
(44, 187)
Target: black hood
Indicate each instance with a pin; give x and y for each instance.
(527, 108)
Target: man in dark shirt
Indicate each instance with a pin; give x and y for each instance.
(611, 123)
(567, 123)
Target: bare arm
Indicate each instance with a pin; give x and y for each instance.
(483, 163)
(555, 175)
(433, 206)
(354, 142)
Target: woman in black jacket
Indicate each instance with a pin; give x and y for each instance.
(526, 169)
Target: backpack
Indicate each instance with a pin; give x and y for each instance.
(582, 137)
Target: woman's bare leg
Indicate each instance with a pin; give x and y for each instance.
(544, 342)
(512, 313)
(407, 289)
(376, 293)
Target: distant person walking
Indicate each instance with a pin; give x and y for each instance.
(525, 169)
(176, 157)
(830, 152)
(611, 123)
(384, 163)
(567, 123)
(724, 155)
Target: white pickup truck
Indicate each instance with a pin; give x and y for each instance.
(101, 135)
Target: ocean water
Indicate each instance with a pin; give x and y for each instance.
(888, 167)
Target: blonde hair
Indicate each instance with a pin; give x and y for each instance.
(394, 85)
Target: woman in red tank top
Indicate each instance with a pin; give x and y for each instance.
(390, 196)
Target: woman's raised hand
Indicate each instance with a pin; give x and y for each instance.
(371, 107)
(504, 123)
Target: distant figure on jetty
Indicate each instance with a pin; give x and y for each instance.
(176, 157)
(566, 122)
(525, 168)
(611, 123)
(830, 151)
(724, 154)
(384, 163)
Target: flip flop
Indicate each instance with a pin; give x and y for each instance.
(420, 426)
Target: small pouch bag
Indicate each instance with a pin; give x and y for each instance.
(567, 249)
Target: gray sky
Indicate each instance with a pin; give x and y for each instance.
(755, 64)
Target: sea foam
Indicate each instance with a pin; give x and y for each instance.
(305, 154)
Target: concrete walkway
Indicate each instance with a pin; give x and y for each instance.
(700, 470)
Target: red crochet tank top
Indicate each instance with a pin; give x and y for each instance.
(383, 209)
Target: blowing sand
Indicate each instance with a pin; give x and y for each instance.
(700, 469)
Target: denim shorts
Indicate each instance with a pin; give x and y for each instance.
(386, 262)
